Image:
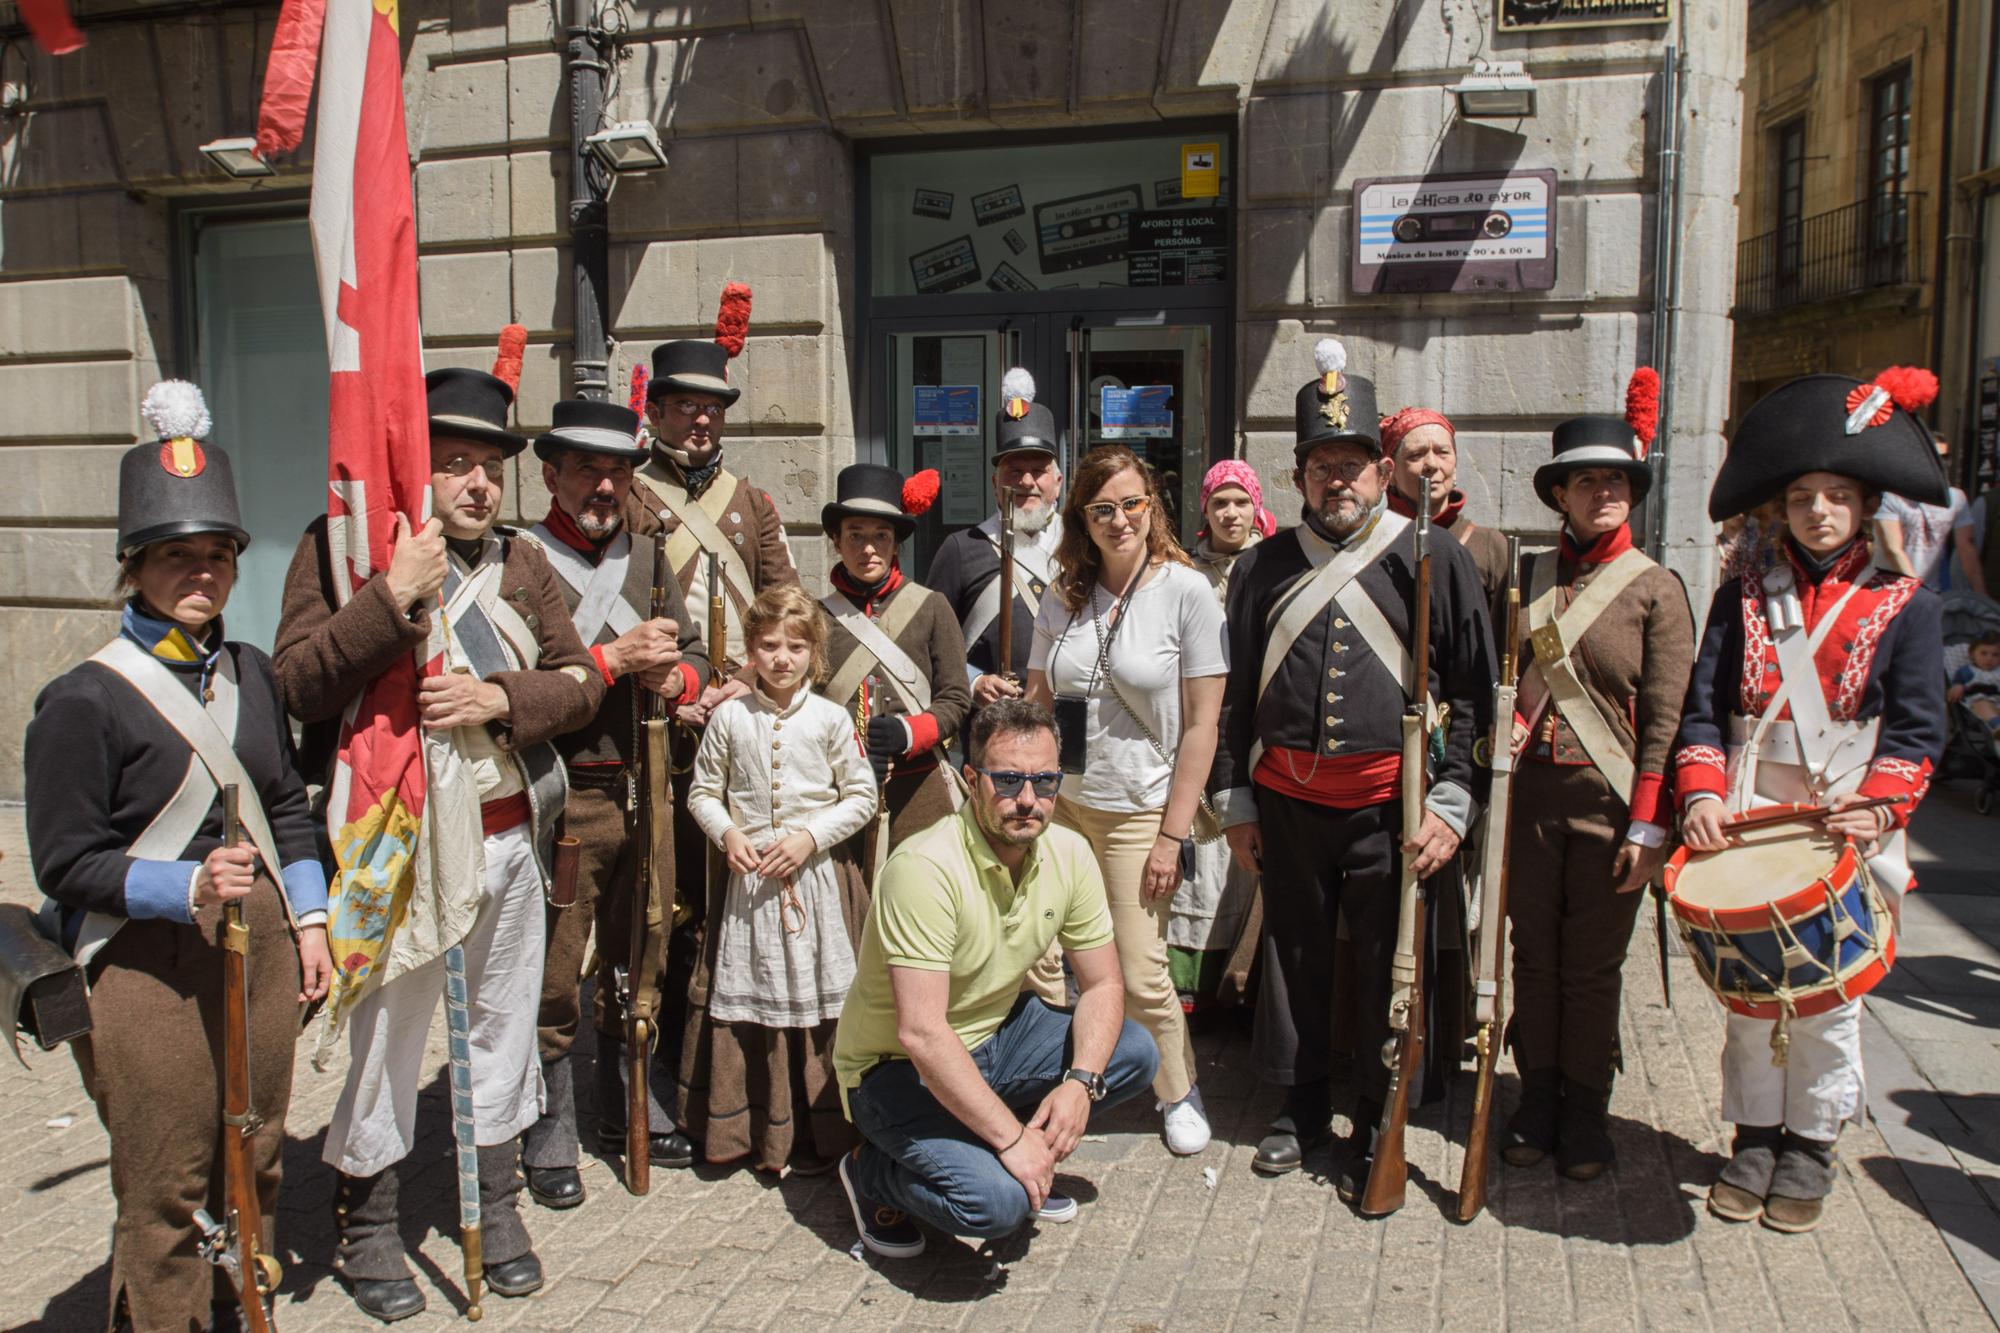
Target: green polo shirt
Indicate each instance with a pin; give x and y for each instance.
(945, 903)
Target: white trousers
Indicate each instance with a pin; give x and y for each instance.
(1816, 1090)
(375, 1122)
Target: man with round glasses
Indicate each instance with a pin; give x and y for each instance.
(967, 1092)
(1307, 774)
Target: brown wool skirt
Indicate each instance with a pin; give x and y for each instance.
(748, 1091)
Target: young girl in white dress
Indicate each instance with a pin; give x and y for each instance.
(780, 783)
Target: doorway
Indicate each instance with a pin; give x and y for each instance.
(1121, 312)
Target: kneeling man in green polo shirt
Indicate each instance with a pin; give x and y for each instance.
(966, 1091)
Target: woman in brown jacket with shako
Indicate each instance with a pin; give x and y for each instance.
(895, 653)
(1607, 643)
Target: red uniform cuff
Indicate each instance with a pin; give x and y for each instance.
(1699, 774)
(1897, 777)
(923, 733)
(597, 656)
(690, 686)
(1650, 800)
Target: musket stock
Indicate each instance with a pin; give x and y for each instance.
(1388, 1173)
(1490, 980)
(235, 1245)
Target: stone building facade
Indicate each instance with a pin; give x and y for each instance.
(789, 126)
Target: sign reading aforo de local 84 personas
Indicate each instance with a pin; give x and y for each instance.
(1182, 247)
(1460, 232)
(1201, 170)
(944, 409)
(1534, 15)
(1137, 413)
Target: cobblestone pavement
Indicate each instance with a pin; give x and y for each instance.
(1161, 1243)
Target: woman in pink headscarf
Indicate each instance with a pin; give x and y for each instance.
(1209, 911)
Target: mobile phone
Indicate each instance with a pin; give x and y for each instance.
(1072, 713)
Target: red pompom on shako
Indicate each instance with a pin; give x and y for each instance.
(636, 400)
(507, 365)
(1911, 388)
(920, 492)
(732, 318)
(1642, 406)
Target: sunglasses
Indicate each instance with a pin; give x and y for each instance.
(1131, 507)
(1007, 783)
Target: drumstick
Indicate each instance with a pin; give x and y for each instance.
(1772, 818)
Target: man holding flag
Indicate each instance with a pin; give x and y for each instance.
(432, 657)
(505, 673)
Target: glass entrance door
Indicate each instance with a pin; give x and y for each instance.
(1107, 377)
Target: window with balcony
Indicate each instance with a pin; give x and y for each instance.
(1788, 157)
(1888, 171)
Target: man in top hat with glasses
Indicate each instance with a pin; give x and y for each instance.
(966, 569)
(515, 677)
(605, 567)
(1307, 778)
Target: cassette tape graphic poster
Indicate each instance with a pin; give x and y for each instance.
(1455, 233)
(1086, 230)
(945, 268)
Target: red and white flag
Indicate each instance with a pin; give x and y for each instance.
(399, 892)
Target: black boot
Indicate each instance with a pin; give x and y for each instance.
(370, 1250)
(511, 1266)
(1583, 1139)
(1305, 1123)
(1800, 1184)
(1738, 1193)
(1531, 1133)
(1359, 1159)
(549, 1148)
(667, 1145)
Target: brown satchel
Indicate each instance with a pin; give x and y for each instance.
(42, 989)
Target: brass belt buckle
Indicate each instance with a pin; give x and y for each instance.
(1547, 643)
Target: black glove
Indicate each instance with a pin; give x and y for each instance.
(887, 738)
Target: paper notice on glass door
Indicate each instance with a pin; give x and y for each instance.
(967, 494)
(1137, 413)
(944, 409)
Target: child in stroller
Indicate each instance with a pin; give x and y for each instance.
(1972, 668)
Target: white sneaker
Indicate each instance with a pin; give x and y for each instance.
(1187, 1124)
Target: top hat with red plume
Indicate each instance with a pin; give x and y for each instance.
(1607, 441)
(698, 365)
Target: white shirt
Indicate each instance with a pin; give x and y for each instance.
(1175, 633)
(769, 771)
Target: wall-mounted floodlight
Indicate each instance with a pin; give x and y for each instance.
(238, 157)
(1495, 90)
(629, 145)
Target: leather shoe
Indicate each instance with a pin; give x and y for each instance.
(1284, 1148)
(671, 1149)
(516, 1277)
(555, 1186)
(390, 1300)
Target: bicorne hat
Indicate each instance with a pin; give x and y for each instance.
(593, 428)
(1336, 407)
(1833, 423)
(869, 490)
(1025, 426)
(698, 365)
(180, 485)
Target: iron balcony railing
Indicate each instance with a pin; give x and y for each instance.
(1873, 243)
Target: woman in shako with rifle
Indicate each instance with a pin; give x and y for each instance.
(1606, 644)
(1819, 680)
(127, 763)
(895, 654)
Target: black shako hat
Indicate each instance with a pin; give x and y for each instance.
(868, 490)
(1024, 425)
(472, 405)
(1336, 407)
(1833, 423)
(177, 486)
(1597, 441)
(692, 365)
(593, 428)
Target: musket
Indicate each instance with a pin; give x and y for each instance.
(649, 720)
(1489, 986)
(871, 703)
(1006, 658)
(235, 1245)
(1403, 1052)
(1660, 935)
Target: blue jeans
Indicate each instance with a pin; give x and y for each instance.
(919, 1157)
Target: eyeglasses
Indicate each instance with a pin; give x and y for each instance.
(458, 465)
(1007, 783)
(1132, 506)
(1319, 474)
(688, 407)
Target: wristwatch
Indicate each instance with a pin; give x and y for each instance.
(1092, 1083)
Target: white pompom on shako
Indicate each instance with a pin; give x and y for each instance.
(1330, 355)
(1017, 390)
(176, 409)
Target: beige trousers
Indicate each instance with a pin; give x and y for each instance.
(1121, 841)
